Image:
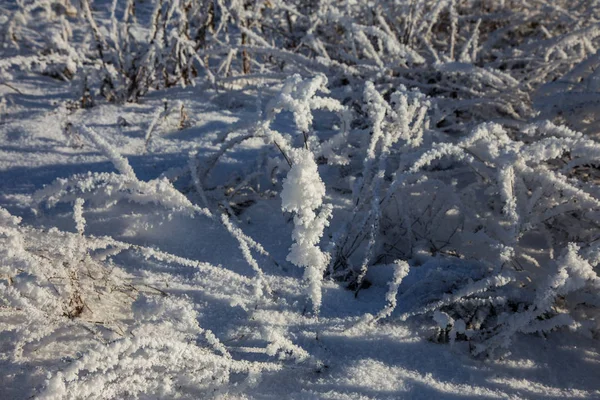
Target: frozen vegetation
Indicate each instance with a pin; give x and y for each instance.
(306, 199)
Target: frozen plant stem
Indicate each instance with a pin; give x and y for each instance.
(302, 194)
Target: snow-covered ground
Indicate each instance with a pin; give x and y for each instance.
(142, 256)
(332, 356)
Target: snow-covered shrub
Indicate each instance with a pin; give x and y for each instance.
(468, 53)
(52, 281)
(303, 190)
(477, 61)
(506, 202)
(36, 36)
(139, 339)
(401, 123)
(501, 202)
(135, 50)
(166, 355)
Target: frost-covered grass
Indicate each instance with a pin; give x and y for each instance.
(299, 199)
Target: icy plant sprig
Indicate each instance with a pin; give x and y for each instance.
(299, 96)
(302, 194)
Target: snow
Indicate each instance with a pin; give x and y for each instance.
(302, 193)
(331, 233)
